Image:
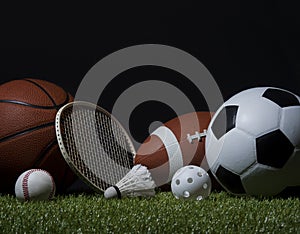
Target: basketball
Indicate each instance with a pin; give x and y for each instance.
(27, 134)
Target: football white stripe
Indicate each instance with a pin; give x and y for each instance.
(172, 147)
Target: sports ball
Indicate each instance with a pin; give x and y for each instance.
(35, 185)
(253, 140)
(27, 134)
(191, 182)
(175, 144)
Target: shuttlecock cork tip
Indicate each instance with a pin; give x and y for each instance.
(112, 192)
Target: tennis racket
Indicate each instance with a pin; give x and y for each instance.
(94, 144)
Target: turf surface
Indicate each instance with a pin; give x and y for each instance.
(220, 213)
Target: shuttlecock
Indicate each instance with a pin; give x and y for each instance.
(137, 182)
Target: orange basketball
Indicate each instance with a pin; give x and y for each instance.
(27, 134)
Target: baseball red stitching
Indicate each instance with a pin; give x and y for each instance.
(25, 183)
(53, 186)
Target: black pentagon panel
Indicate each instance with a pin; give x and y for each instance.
(225, 121)
(231, 181)
(273, 149)
(281, 97)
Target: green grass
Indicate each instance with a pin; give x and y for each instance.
(220, 213)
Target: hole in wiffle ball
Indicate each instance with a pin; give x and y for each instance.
(199, 174)
(191, 167)
(205, 186)
(177, 182)
(199, 198)
(186, 194)
(190, 180)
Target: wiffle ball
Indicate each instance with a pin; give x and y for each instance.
(191, 182)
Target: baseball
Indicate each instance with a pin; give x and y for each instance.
(35, 185)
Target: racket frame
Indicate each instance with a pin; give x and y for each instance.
(63, 150)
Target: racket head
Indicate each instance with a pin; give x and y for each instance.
(94, 144)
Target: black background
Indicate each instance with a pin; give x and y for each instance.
(243, 44)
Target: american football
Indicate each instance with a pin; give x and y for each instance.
(175, 144)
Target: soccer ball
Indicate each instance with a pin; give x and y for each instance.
(253, 142)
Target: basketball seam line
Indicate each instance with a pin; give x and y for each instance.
(30, 105)
(43, 89)
(23, 132)
(57, 107)
(44, 153)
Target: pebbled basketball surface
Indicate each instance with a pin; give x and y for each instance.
(27, 134)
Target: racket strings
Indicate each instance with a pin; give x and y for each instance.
(117, 135)
(96, 145)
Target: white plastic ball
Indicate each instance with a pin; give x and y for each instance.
(35, 185)
(191, 182)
